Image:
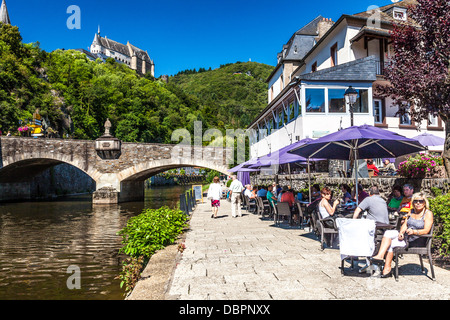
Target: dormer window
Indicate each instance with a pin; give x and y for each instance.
(399, 13)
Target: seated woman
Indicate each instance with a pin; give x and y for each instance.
(418, 222)
(315, 192)
(346, 191)
(325, 209)
(396, 199)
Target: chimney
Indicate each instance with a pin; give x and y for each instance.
(323, 26)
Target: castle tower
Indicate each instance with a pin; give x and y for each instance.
(4, 16)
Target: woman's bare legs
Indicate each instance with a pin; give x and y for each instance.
(384, 247)
(387, 263)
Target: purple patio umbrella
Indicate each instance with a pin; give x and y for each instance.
(244, 177)
(359, 142)
(243, 167)
(281, 156)
(428, 140)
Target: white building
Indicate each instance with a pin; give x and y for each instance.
(128, 54)
(317, 65)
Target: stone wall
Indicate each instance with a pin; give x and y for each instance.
(57, 181)
(300, 181)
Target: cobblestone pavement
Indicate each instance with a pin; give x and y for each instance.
(249, 258)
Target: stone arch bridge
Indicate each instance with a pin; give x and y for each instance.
(118, 180)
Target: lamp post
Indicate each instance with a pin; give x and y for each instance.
(350, 98)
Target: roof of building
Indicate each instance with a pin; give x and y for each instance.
(4, 15)
(371, 31)
(385, 12)
(299, 44)
(311, 28)
(89, 55)
(125, 49)
(358, 70)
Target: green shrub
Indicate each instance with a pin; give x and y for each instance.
(151, 231)
(131, 273)
(436, 191)
(440, 206)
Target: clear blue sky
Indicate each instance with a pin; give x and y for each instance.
(179, 34)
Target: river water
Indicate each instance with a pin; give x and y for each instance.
(39, 241)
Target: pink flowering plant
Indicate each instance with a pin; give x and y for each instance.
(419, 165)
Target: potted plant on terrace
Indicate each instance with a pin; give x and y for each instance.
(422, 166)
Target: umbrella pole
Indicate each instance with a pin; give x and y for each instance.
(356, 177)
(309, 181)
(290, 174)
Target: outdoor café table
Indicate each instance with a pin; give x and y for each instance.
(344, 211)
(383, 226)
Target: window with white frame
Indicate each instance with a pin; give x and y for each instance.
(433, 121)
(399, 14)
(405, 119)
(315, 100)
(378, 110)
(362, 103)
(336, 101)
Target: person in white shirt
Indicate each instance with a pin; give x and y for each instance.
(215, 194)
(248, 192)
(236, 188)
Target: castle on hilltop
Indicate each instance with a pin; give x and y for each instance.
(128, 54)
(103, 48)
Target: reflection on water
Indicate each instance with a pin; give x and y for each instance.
(40, 240)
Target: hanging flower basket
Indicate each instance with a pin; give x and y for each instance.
(422, 166)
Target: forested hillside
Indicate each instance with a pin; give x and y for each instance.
(234, 94)
(76, 95)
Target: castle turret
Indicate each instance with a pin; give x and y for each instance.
(4, 16)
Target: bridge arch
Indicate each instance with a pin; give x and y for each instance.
(145, 170)
(24, 167)
(128, 184)
(35, 178)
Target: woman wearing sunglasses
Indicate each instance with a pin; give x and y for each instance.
(418, 222)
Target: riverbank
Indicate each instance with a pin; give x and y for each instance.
(249, 258)
(157, 276)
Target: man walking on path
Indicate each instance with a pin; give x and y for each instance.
(236, 188)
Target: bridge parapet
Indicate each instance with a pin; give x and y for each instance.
(138, 161)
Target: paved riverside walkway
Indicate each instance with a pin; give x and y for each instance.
(250, 259)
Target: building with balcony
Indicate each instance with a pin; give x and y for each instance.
(317, 65)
